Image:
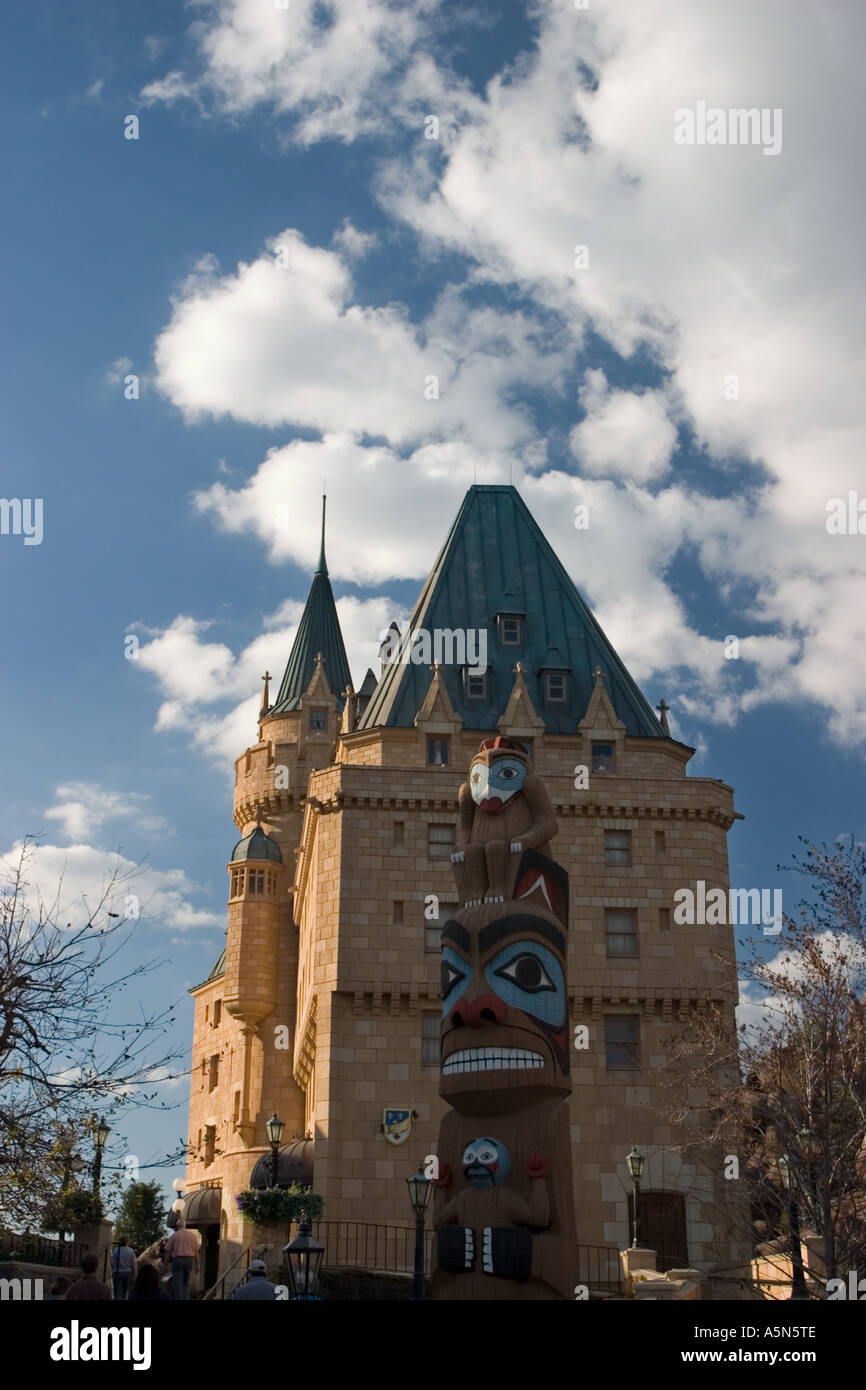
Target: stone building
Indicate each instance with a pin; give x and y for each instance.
(324, 1005)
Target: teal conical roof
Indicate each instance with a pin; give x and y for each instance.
(497, 560)
(318, 631)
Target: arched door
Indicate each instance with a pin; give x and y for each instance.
(662, 1227)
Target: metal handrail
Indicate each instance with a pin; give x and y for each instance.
(218, 1289)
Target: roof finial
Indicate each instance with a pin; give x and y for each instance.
(265, 695)
(599, 675)
(663, 708)
(322, 567)
(258, 810)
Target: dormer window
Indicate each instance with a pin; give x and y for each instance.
(556, 687)
(318, 720)
(475, 683)
(437, 752)
(510, 629)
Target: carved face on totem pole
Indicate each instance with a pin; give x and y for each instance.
(505, 1010)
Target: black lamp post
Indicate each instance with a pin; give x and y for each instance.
(275, 1129)
(635, 1161)
(304, 1257)
(420, 1187)
(101, 1132)
(798, 1276)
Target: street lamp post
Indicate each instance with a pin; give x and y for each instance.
(798, 1276)
(635, 1161)
(420, 1188)
(275, 1129)
(304, 1257)
(101, 1132)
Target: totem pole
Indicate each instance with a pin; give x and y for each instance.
(504, 1210)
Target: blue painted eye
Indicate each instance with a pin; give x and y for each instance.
(455, 975)
(527, 972)
(528, 976)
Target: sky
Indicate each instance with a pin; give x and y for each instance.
(327, 206)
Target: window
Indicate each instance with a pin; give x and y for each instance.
(432, 932)
(257, 881)
(440, 841)
(209, 1144)
(236, 1109)
(430, 1035)
(397, 914)
(203, 1070)
(602, 757)
(555, 686)
(620, 932)
(617, 847)
(272, 885)
(476, 684)
(318, 719)
(620, 1041)
(399, 832)
(217, 1012)
(664, 919)
(213, 1072)
(510, 629)
(206, 1012)
(437, 752)
(237, 883)
(660, 842)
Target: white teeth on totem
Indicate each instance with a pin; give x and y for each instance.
(492, 1059)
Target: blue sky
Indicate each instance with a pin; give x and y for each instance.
(305, 130)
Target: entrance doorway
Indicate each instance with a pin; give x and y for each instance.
(662, 1227)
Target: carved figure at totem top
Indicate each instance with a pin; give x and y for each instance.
(504, 1210)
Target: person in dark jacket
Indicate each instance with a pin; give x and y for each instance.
(88, 1287)
(258, 1287)
(146, 1287)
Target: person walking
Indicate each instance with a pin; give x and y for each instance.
(124, 1268)
(182, 1249)
(88, 1287)
(258, 1287)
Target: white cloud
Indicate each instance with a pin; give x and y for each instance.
(352, 242)
(74, 878)
(280, 342)
(326, 66)
(623, 434)
(84, 808)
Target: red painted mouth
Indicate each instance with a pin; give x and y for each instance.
(492, 805)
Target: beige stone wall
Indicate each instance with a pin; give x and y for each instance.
(354, 971)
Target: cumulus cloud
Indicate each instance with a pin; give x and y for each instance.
(328, 67)
(83, 808)
(74, 878)
(623, 434)
(280, 342)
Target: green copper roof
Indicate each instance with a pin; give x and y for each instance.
(318, 631)
(258, 845)
(495, 554)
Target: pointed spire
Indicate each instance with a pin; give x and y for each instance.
(265, 693)
(663, 708)
(318, 634)
(322, 567)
